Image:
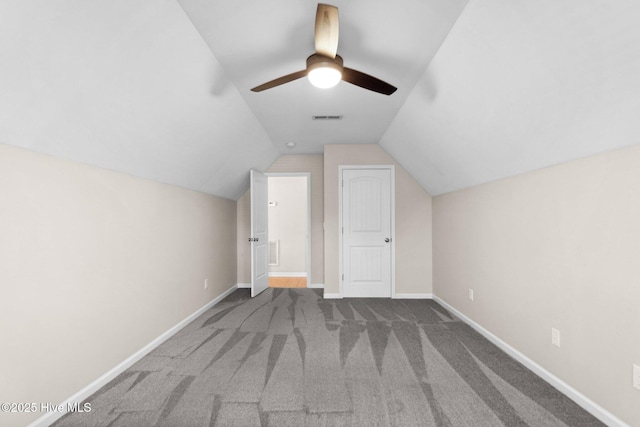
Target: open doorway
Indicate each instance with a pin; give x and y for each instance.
(289, 230)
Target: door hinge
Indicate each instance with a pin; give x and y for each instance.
(343, 277)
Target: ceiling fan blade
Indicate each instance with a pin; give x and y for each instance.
(366, 81)
(280, 81)
(327, 29)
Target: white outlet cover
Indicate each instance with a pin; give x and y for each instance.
(471, 294)
(555, 337)
(636, 376)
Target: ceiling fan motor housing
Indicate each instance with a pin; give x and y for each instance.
(321, 61)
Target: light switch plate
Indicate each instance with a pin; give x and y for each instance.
(555, 337)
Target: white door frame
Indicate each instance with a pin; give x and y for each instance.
(391, 168)
(308, 176)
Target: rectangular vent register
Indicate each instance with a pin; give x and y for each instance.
(327, 117)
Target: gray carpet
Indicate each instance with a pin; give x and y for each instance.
(290, 358)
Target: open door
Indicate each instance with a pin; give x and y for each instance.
(259, 233)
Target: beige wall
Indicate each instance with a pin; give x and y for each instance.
(413, 219)
(288, 222)
(94, 266)
(312, 164)
(559, 247)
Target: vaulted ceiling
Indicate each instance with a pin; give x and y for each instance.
(161, 88)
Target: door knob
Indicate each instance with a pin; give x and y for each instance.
(387, 240)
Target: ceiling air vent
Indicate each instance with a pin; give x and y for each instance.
(326, 117)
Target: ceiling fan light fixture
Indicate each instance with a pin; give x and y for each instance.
(324, 77)
(324, 72)
(325, 68)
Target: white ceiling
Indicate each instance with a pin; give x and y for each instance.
(161, 89)
(258, 41)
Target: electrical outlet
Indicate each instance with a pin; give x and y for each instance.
(206, 283)
(555, 337)
(471, 294)
(636, 376)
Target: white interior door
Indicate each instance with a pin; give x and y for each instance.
(366, 240)
(259, 233)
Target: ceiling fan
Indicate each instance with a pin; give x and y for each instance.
(324, 68)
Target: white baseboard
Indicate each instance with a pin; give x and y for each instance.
(51, 417)
(413, 296)
(243, 286)
(332, 296)
(396, 296)
(587, 404)
(287, 274)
